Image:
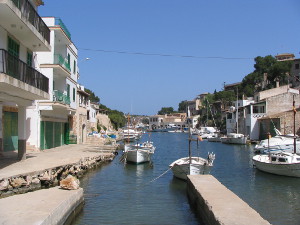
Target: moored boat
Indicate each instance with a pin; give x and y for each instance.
(191, 165)
(234, 138)
(284, 163)
(139, 153)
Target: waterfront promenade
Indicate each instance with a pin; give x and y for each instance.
(45, 206)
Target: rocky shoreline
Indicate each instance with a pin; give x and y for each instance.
(50, 177)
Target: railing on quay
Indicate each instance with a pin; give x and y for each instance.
(59, 96)
(59, 59)
(60, 23)
(17, 69)
(28, 12)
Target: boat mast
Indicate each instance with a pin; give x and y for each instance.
(190, 138)
(294, 109)
(237, 111)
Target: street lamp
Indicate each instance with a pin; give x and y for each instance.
(85, 59)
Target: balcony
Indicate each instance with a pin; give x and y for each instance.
(60, 97)
(59, 22)
(21, 20)
(19, 79)
(60, 60)
(61, 66)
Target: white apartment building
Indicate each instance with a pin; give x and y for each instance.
(22, 33)
(52, 120)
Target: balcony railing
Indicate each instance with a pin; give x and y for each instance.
(58, 96)
(59, 59)
(17, 69)
(60, 23)
(29, 13)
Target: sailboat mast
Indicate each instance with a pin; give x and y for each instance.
(294, 109)
(237, 111)
(189, 124)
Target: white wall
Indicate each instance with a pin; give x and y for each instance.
(3, 38)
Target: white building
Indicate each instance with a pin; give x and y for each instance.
(252, 114)
(22, 33)
(52, 120)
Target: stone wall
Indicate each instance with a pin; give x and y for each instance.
(48, 178)
(281, 103)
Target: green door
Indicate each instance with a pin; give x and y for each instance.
(49, 139)
(52, 134)
(10, 131)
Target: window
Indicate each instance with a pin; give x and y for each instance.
(74, 67)
(297, 66)
(282, 160)
(68, 91)
(29, 58)
(69, 61)
(73, 94)
(13, 47)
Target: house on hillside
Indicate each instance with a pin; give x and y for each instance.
(255, 118)
(22, 34)
(168, 121)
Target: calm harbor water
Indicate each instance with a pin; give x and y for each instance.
(130, 194)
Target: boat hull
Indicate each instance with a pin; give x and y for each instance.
(138, 156)
(232, 140)
(262, 162)
(181, 167)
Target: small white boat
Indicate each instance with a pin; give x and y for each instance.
(131, 135)
(215, 138)
(234, 138)
(191, 165)
(286, 164)
(139, 153)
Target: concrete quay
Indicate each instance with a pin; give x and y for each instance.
(23, 197)
(217, 205)
(43, 207)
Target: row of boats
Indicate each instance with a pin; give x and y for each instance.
(142, 152)
(277, 155)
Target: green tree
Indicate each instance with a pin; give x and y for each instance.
(165, 110)
(182, 106)
(92, 96)
(117, 118)
(225, 97)
(276, 71)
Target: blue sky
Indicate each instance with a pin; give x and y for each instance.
(213, 31)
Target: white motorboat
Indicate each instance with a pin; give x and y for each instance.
(139, 153)
(215, 138)
(284, 163)
(131, 135)
(234, 138)
(191, 165)
(278, 143)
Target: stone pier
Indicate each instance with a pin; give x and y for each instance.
(217, 205)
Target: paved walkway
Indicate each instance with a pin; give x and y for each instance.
(45, 206)
(63, 155)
